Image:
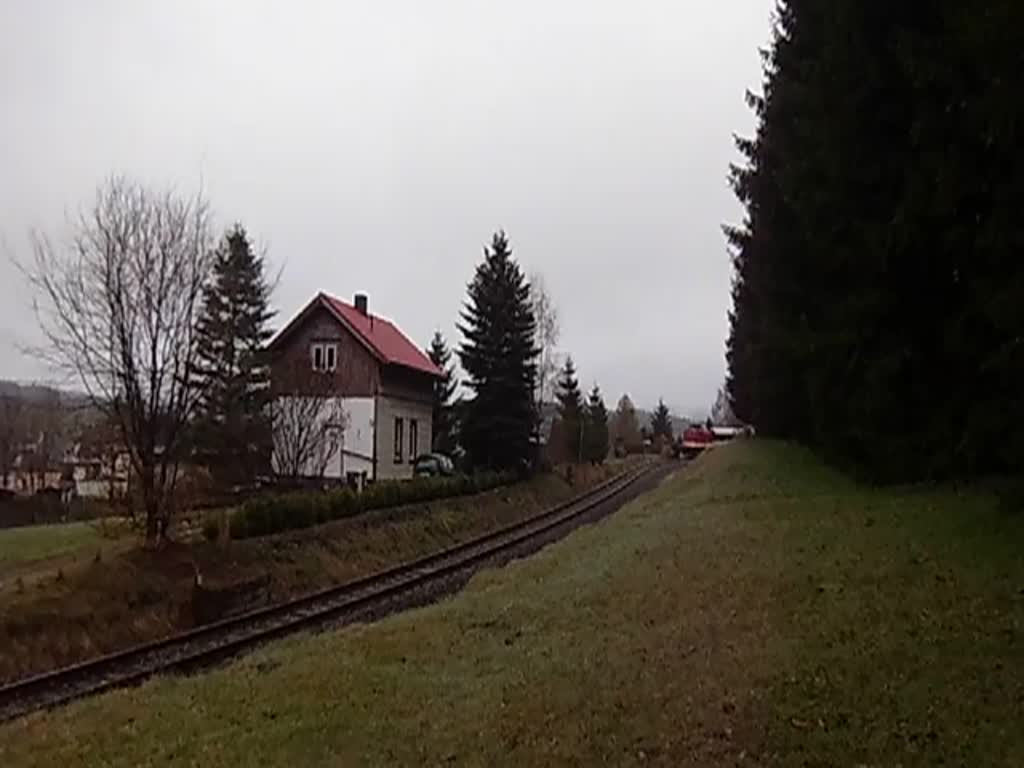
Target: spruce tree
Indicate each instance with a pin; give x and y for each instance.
(661, 421)
(595, 431)
(569, 405)
(443, 438)
(499, 355)
(232, 433)
(878, 282)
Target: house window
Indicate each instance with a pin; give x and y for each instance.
(324, 356)
(413, 438)
(399, 430)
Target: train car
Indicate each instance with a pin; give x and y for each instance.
(699, 437)
(695, 440)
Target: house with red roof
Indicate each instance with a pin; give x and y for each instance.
(339, 362)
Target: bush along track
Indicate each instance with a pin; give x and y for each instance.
(304, 509)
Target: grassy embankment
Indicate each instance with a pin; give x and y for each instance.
(131, 596)
(756, 610)
(38, 542)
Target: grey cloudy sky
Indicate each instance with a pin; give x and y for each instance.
(375, 145)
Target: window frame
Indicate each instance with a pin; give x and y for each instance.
(414, 436)
(399, 439)
(328, 356)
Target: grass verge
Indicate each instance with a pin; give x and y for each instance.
(755, 610)
(37, 542)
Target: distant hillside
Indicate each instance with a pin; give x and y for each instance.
(42, 393)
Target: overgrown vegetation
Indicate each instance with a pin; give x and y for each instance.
(757, 610)
(879, 291)
(303, 509)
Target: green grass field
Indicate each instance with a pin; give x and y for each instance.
(757, 609)
(22, 545)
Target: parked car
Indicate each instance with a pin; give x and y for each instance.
(433, 465)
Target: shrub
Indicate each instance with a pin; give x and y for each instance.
(211, 530)
(342, 503)
(274, 513)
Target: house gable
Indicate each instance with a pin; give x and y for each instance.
(371, 353)
(356, 372)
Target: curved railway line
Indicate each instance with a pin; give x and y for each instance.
(412, 583)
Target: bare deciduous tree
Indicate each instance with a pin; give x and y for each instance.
(117, 303)
(545, 314)
(308, 424)
(625, 426)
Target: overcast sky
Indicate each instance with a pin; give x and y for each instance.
(375, 146)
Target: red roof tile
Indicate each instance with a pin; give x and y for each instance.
(383, 337)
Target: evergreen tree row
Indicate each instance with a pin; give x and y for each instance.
(498, 425)
(581, 427)
(878, 300)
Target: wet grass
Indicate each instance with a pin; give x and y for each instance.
(757, 609)
(37, 542)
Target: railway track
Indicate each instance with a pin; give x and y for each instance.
(373, 595)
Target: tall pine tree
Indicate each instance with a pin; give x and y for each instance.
(595, 430)
(232, 432)
(499, 355)
(878, 280)
(443, 429)
(569, 404)
(661, 421)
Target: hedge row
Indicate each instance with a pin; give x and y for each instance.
(303, 509)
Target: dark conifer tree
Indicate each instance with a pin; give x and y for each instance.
(499, 355)
(661, 421)
(878, 282)
(595, 439)
(232, 432)
(569, 405)
(443, 437)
